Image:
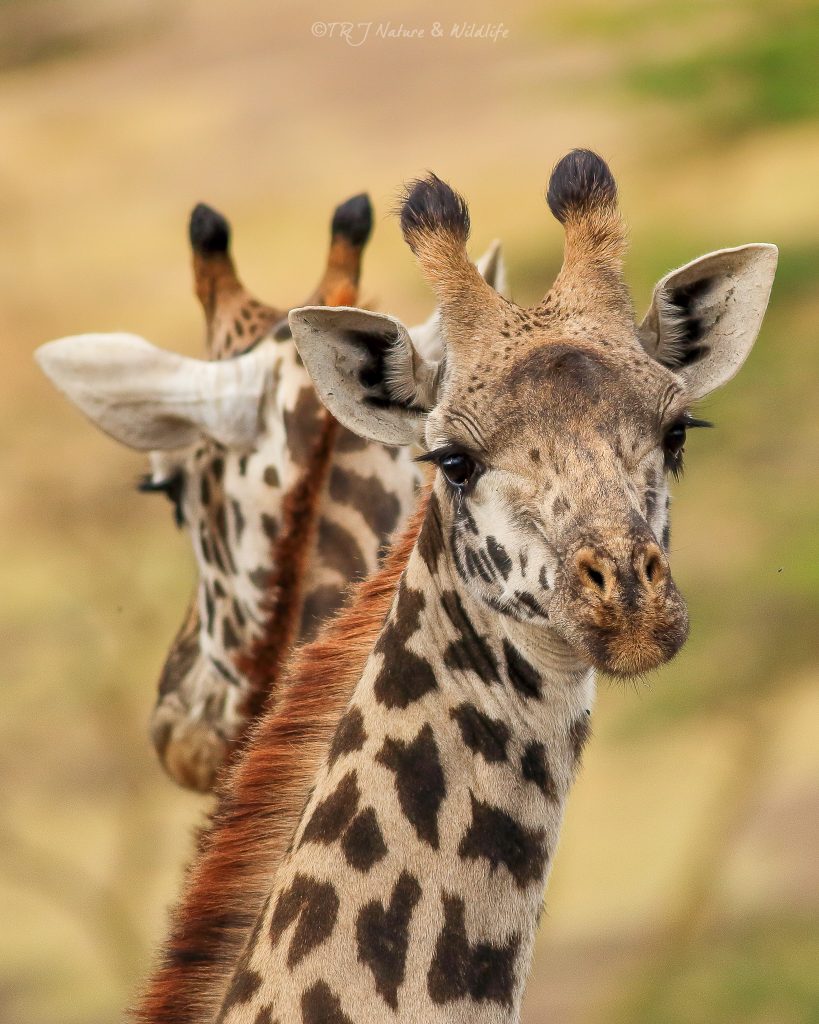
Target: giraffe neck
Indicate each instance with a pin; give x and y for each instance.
(417, 871)
(225, 661)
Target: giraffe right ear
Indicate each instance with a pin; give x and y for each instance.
(367, 371)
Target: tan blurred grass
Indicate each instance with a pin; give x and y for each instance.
(686, 872)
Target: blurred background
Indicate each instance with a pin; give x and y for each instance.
(687, 883)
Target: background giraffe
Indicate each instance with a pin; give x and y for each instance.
(284, 508)
(412, 884)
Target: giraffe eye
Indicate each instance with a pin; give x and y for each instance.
(674, 442)
(458, 468)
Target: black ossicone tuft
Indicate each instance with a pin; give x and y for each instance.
(353, 220)
(430, 205)
(209, 231)
(579, 182)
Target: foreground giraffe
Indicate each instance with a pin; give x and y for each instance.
(395, 865)
(284, 508)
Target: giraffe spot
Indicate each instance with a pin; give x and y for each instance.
(482, 971)
(378, 506)
(334, 813)
(382, 935)
(260, 577)
(204, 544)
(419, 780)
(320, 1005)
(269, 525)
(243, 465)
(498, 838)
(317, 607)
(470, 652)
(271, 476)
(363, 842)
(579, 733)
(210, 608)
(498, 554)
(302, 425)
(349, 737)
(666, 536)
(483, 735)
(238, 613)
(523, 677)
(265, 1016)
(534, 455)
(529, 603)
(229, 636)
(238, 519)
(560, 506)
(243, 987)
(535, 768)
(404, 677)
(204, 490)
(543, 578)
(431, 537)
(315, 905)
(339, 550)
(218, 468)
(218, 589)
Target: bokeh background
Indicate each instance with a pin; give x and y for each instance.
(687, 883)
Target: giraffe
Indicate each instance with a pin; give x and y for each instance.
(397, 868)
(283, 506)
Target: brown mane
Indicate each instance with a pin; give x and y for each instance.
(263, 662)
(261, 799)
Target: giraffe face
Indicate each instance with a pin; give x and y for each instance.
(553, 489)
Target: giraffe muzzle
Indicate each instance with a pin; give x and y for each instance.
(619, 607)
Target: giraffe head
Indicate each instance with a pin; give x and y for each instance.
(554, 428)
(229, 439)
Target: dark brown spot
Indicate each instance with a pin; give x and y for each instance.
(535, 768)
(363, 842)
(498, 838)
(483, 971)
(379, 507)
(349, 735)
(315, 904)
(334, 813)
(482, 734)
(383, 937)
(320, 1005)
(523, 677)
(339, 550)
(419, 780)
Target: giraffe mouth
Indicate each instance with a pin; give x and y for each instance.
(618, 638)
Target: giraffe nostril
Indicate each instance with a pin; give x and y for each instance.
(595, 577)
(652, 568)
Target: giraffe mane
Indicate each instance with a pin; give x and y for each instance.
(262, 664)
(260, 801)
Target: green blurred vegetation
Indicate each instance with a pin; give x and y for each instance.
(686, 885)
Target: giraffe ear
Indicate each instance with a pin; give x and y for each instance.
(148, 398)
(428, 337)
(366, 371)
(704, 318)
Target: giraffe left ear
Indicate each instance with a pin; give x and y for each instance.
(367, 371)
(704, 318)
